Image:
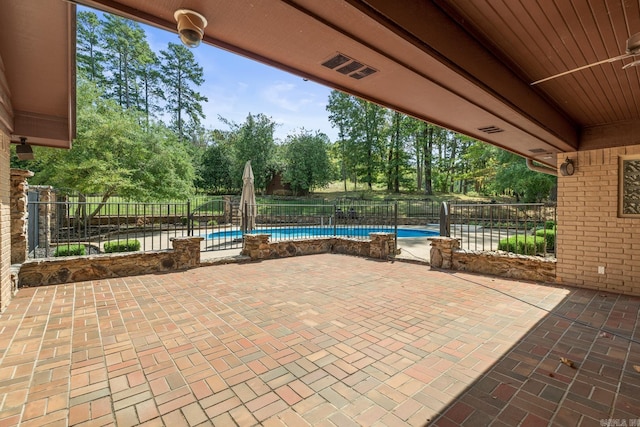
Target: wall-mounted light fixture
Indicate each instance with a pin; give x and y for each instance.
(568, 168)
(190, 26)
(24, 150)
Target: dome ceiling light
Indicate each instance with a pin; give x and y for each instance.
(190, 26)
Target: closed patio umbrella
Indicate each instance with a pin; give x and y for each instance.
(248, 199)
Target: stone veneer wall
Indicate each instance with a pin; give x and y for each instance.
(185, 254)
(446, 253)
(590, 234)
(380, 246)
(6, 287)
(19, 213)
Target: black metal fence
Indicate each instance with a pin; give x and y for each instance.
(62, 226)
(71, 227)
(303, 221)
(520, 228)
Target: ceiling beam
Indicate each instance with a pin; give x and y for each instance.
(430, 27)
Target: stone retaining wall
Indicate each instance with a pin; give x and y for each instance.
(258, 247)
(446, 254)
(185, 254)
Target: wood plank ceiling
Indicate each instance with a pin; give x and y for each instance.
(546, 37)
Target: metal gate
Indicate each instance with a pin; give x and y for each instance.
(218, 222)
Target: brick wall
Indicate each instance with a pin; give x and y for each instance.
(590, 234)
(6, 117)
(5, 223)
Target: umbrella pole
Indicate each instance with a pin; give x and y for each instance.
(244, 217)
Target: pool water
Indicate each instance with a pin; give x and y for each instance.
(306, 232)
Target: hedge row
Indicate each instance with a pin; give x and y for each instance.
(122, 246)
(524, 245)
(550, 236)
(70, 250)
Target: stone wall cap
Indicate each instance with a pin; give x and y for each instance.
(187, 239)
(21, 172)
(92, 257)
(507, 255)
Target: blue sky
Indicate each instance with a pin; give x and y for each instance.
(237, 86)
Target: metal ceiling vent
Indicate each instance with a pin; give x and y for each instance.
(491, 129)
(349, 67)
(538, 150)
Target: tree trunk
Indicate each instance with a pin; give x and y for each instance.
(418, 164)
(426, 158)
(389, 167)
(396, 163)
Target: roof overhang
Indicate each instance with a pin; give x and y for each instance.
(463, 65)
(427, 66)
(37, 51)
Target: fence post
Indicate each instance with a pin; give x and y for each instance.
(335, 219)
(189, 219)
(395, 228)
(244, 218)
(445, 218)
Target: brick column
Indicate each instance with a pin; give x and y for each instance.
(19, 189)
(186, 251)
(442, 249)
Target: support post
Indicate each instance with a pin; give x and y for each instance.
(19, 214)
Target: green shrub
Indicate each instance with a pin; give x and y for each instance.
(525, 245)
(122, 246)
(550, 225)
(70, 250)
(550, 236)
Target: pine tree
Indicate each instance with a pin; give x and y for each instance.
(90, 57)
(124, 44)
(180, 73)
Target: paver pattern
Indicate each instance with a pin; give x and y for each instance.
(323, 340)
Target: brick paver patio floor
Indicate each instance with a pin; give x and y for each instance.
(323, 340)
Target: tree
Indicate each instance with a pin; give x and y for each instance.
(125, 44)
(480, 166)
(307, 162)
(180, 73)
(90, 58)
(114, 155)
(424, 138)
(216, 171)
(150, 82)
(252, 140)
(342, 111)
(514, 175)
(361, 125)
(400, 130)
(367, 135)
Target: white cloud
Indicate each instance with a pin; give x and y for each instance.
(286, 96)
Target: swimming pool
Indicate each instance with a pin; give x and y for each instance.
(285, 233)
